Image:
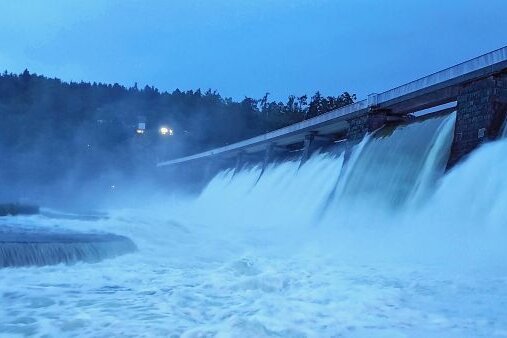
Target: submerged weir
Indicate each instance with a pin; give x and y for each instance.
(22, 246)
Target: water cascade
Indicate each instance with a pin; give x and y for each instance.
(285, 193)
(314, 250)
(23, 246)
(393, 167)
(398, 164)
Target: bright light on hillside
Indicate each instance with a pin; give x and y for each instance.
(166, 131)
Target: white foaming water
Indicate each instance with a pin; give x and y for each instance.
(283, 255)
(398, 164)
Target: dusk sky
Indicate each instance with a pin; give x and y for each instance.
(248, 47)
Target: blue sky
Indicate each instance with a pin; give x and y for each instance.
(248, 47)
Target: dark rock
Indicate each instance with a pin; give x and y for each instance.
(14, 209)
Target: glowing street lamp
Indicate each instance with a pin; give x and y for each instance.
(166, 131)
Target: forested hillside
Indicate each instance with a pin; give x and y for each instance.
(50, 129)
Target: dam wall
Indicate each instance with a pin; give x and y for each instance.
(476, 90)
(482, 110)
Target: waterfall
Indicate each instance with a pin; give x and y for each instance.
(399, 163)
(290, 249)
(40, 246)
(395, 166)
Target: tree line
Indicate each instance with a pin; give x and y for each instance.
(66, 125)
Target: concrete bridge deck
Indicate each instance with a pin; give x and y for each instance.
(430, 91)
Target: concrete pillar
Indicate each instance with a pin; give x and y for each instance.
(358, 128)
(268, 155)
(208, 170)
(307, 147)
(313, 142)
(240, 161)
(504, 129)
(361, 125)
(481, 111)
(376, 118)
(243, 158)
(213, 166)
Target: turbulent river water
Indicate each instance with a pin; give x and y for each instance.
(382, 245)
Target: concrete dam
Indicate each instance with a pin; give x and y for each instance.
(384, 218)
(475, 90)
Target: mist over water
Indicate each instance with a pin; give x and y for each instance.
(383, 244)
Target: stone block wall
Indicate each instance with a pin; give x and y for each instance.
(481, 111)
(361, 125)
(358, 127)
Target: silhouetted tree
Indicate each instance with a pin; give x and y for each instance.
(95, 123)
